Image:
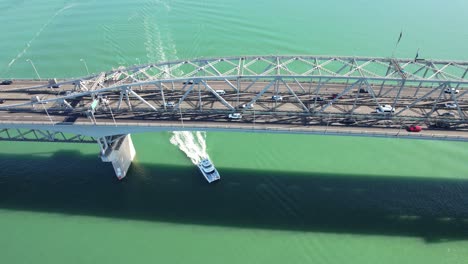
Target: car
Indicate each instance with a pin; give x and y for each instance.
(191, 82)
(382, 109)
(6, 82)
(414, 128)
(362, 90)
(450, 105)
(277, 98)
(348, 121)
(235, 116)
(2, 101)
(335, 95)
(169, 104)
(448, 114)
(451, 90)
(247, 106)
(442, 124)
(54, 86)
(220, 92)
(318, 99)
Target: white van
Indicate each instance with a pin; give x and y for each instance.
(169, 104)
(220, 92)
(385, 109)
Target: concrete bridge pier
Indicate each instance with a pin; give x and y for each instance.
(119, 150)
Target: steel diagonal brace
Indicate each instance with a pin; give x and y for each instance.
(315, 66)
(127, 76)
(436, 71)
(198, 69)
(220, 74)
(462, 77)
(251, 84)
(422, 98)
(98, 81)
(247, 65)
(337, 72)
(371, 92)
(220, 98)
(345, 91)
(267, 68)
(212, 67)
(434, 107)
(293, 73)
(359, 68)
(278, 65)
(285, 66)
(234, 68)
(399, 92)
(119, 103)
(442, 72)
(455, 100)
(294, 94)
(300, 85)
(232, 85)
(141, 99)
(184, 96)
(273, 64)
(262, 91)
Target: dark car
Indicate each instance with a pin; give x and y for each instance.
(2, 101)
(6, 82)
(191, 82)
(448, 114)
(54, 86)
(362, 90)
(348, 121)
(414, 128)
(335, 95)
(318, 99)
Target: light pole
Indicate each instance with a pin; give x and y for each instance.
(328, 121)
(34, 67)
(181, 118)
(254, 120)
(86, 66)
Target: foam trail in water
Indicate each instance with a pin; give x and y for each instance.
(193, 144)
(160, 46)
(38, 33)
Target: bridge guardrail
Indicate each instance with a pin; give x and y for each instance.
(258, 127)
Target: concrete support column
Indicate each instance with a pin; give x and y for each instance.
(120, 151)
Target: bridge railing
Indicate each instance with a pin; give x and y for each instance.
(261, 128)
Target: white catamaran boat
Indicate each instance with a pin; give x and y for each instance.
(209, 171)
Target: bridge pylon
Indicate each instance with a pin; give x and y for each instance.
(119, 150)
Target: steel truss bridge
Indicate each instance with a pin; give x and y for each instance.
(286, 94)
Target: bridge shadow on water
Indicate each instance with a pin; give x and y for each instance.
(435, 210)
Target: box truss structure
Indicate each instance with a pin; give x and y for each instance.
(302, 90)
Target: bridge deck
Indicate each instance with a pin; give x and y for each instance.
(433, 94)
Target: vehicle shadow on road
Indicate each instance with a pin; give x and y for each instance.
(71, 183)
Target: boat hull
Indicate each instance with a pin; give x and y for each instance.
(209, 176)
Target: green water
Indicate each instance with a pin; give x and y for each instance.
(282, 198)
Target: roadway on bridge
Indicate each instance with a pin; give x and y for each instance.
(307, 106)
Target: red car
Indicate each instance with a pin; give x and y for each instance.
(414, 128)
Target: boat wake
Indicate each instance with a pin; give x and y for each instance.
(38, 33)
(193, 144)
